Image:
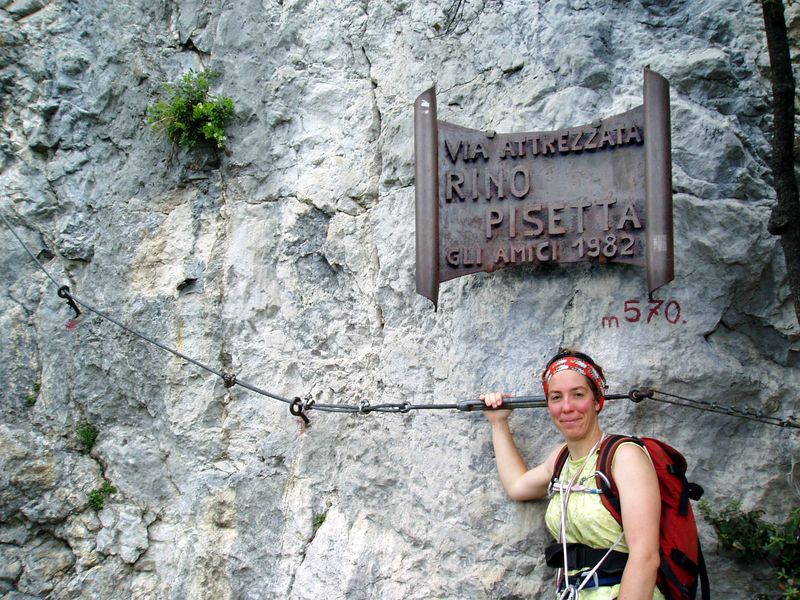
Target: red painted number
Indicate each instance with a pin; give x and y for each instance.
(656, 309)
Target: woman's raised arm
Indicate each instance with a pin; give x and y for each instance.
(519, 482)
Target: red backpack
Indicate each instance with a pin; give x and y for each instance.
(682, 565)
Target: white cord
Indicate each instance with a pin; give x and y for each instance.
(564, 500)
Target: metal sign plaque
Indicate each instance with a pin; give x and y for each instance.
(597, 192)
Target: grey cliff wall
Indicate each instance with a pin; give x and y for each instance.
(289, 260)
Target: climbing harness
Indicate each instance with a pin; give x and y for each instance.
(587, 579)
(299, 407)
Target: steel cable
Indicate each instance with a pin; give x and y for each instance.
(65, 293)
(746, 413)
(298, 406)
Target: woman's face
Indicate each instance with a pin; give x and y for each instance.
(572, 404)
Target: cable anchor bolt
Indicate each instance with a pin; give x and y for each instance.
(63, 292)
(637, 395)
(296, 408)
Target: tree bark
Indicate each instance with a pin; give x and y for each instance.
(785, 218)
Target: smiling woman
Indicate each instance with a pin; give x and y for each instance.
(596, 556)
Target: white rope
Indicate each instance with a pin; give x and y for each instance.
(591, 573)
(570, 592)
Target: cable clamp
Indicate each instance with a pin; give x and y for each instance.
(63, 292)
(364, 408)
(229, 379)
(308, 402)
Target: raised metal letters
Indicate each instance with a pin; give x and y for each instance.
(601, 191)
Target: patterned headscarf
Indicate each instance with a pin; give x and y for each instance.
(585, 368)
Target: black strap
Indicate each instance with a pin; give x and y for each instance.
(669, 574)
(703, 574)
(698, 569)
(695, 491)
(606, 484)
(683, 508)
(679, 558)
(581, 556)
(561, 460)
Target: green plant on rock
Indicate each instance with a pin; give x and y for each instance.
(87, 435)
(190, 115)
(317, 521)
(752, 538)
(33, 395)
(97, 497)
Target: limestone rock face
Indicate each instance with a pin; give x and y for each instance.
(288, 259)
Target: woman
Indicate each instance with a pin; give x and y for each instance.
(575, 388)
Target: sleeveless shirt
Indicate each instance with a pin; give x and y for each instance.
(588, 521)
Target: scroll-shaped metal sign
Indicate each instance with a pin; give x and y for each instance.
(598, 192)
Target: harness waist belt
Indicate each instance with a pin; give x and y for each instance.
(593, 581)
(581, 556)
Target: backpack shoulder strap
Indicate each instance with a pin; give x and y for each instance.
(561, 460)
(604, 476)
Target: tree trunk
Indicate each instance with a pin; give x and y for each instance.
(785, 218)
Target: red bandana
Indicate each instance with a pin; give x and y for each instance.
(572, 363)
